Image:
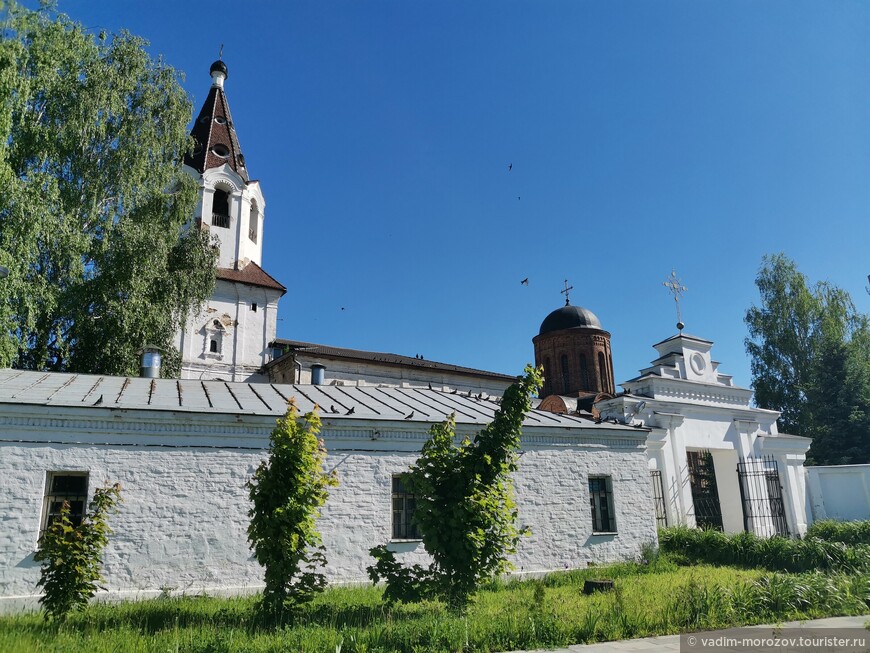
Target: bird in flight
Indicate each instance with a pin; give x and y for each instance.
(351, 411)
(518, 197)
(510, 165)
(525, 282)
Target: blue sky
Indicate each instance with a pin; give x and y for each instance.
(644, 136)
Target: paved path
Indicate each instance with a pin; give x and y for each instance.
(671, 643)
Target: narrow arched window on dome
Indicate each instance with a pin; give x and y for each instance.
(547, 384)
(220, 209)
(602, 372)
(254, 221)
(566, 377)
(584, 372)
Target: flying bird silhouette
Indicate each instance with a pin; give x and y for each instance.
(99, 401)
(351, 411)
(510, 165)
(525, 282)
(409, 415)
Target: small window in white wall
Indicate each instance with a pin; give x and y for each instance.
(254, 306)
(601, 502)
(220, 209)
(404, 505)
(214, 336)
(61, 487)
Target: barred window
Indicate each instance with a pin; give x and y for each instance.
(404, 504)
(64, 486)
(220, 209)
(601, 502)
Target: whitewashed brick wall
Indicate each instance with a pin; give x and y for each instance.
(184, 517)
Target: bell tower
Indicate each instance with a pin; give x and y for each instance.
(230, 338)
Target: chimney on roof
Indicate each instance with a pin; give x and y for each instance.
(318, 373)
(151, 361)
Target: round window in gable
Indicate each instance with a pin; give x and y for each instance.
(204, 119)
(221, 150)
(220, 120)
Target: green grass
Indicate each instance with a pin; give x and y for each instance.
(659, 598)
(847, 532)
(775, 553)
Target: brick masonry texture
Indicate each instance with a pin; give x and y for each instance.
(185, 513)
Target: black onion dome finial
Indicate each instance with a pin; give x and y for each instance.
(218, 66)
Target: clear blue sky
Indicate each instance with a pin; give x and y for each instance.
(644, 136)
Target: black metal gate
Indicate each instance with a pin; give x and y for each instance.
(705, 492)
(659, 498)
(762, 497)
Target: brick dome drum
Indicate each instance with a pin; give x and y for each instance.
(574, 351)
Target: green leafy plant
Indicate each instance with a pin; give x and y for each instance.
(95, 200)
(287, 492)
(847, 532)
(71, 556)
(465, 507)
(692, 546)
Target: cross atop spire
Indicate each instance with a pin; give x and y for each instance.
(565, 292)
(676, 287)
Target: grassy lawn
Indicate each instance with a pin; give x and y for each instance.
(648, 600)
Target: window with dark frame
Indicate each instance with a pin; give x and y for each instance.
(601, 502)
(71, 487)
(404, 504)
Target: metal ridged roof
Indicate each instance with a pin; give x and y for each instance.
(220, 397)
(329, 351)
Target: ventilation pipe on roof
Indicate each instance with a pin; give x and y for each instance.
(151, 361)
(318, 372)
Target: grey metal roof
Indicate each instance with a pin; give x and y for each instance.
(314, 349)
(21, 387)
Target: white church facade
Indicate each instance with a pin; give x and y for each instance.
(715, 460)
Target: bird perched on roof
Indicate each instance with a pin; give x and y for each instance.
(332, 408)
(409, 415)
(454, 391)
(525, 282)
(351, 411)
(430, 386)
(99, 401)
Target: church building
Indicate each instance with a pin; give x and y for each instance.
(229, 339)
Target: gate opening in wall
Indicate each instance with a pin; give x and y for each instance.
(659, 498)
(705, 492)
(762, 497)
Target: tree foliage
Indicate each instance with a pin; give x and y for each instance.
(465, 507)
(810, 352)
(287, 492)
(94, 202)
(71, 556)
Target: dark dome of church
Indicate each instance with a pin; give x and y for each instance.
(218, 65)
(570, 317)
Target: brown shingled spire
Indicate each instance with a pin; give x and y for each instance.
(213, 130)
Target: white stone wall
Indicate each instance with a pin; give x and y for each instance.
(839, 492)
(184, 518)
(244, 335)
